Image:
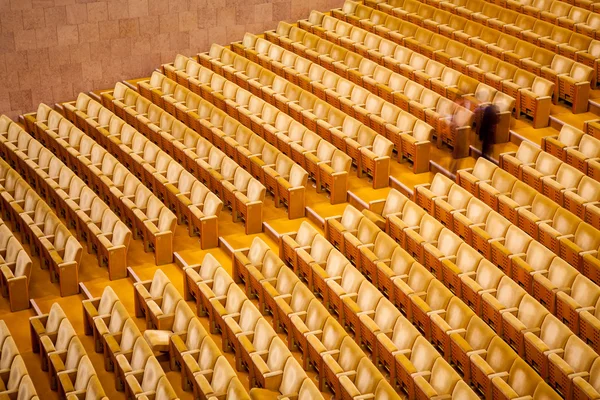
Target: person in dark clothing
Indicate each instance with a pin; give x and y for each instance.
(488, 120)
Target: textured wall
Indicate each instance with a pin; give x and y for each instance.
(50, 50)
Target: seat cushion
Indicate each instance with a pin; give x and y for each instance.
(158, 339)
(263, 394)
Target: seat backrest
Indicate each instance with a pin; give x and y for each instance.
(478, 334)
(554, 333)
(585, 292)
(152, 374)
(509, 293)
(443, 377)
(578, 354)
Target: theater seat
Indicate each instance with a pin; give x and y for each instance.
(147, 290)
(576, 359)
(76, 382)
(45, 324)
(551, 337)
(587, 387)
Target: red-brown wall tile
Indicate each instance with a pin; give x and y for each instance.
(50, 50)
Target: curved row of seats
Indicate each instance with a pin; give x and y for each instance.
(547, 174)
(412, 97)
(15, 269)
(490, 14)
(64, 357)
(573, 79)
(544, 173)
(125, 350)
(561, 288)
(49, 238)
(295, 141)
(134, 201)
(103, 175)
(187, 200)
(502, 37)
(285, 179)
(236, 187)
(308, 322)
(157, 232)
(503, 305)
(576, 148)
(94, 220)
(244, 194)
(370, 151)
(15, 381)
(265, 119)
(315, 255)
(431, 74)
(511, 13)
(352, 96)
(556, 12)
(533, 95)
(448, 80)
(320, 337)
(410, 135)
(562, 183)
(271, 366)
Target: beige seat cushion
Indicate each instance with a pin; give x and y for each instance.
(158, 339)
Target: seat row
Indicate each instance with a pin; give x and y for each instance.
(450, 84)
(202, 209)
(415, 97)
(547, 174)
(503, 31)
(15, 381)
(266, 119)
(572, 79)
(271, 366)
(538, 343)
(556, 12)
(370, 151)
(410, 135)
(396, 345)
(561, 288)
(384, 107)
(350, 97)
(15, 269)
(324, 343)
(244, 195)
(285, 179)
(523, 86)
(94, 220)
(576, 148)
(386, 45)
(194, 352)
(125, 350)
(158, 172)
(581, 20)
(64, 357)
(289, 137)
(105, 184)
(150, 165)
(59, 250)
(431, 242)
(239, 190)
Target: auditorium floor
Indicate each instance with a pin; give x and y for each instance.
(44, 293)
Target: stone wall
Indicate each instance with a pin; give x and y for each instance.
(50, 50)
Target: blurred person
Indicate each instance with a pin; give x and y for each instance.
(487, 121)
